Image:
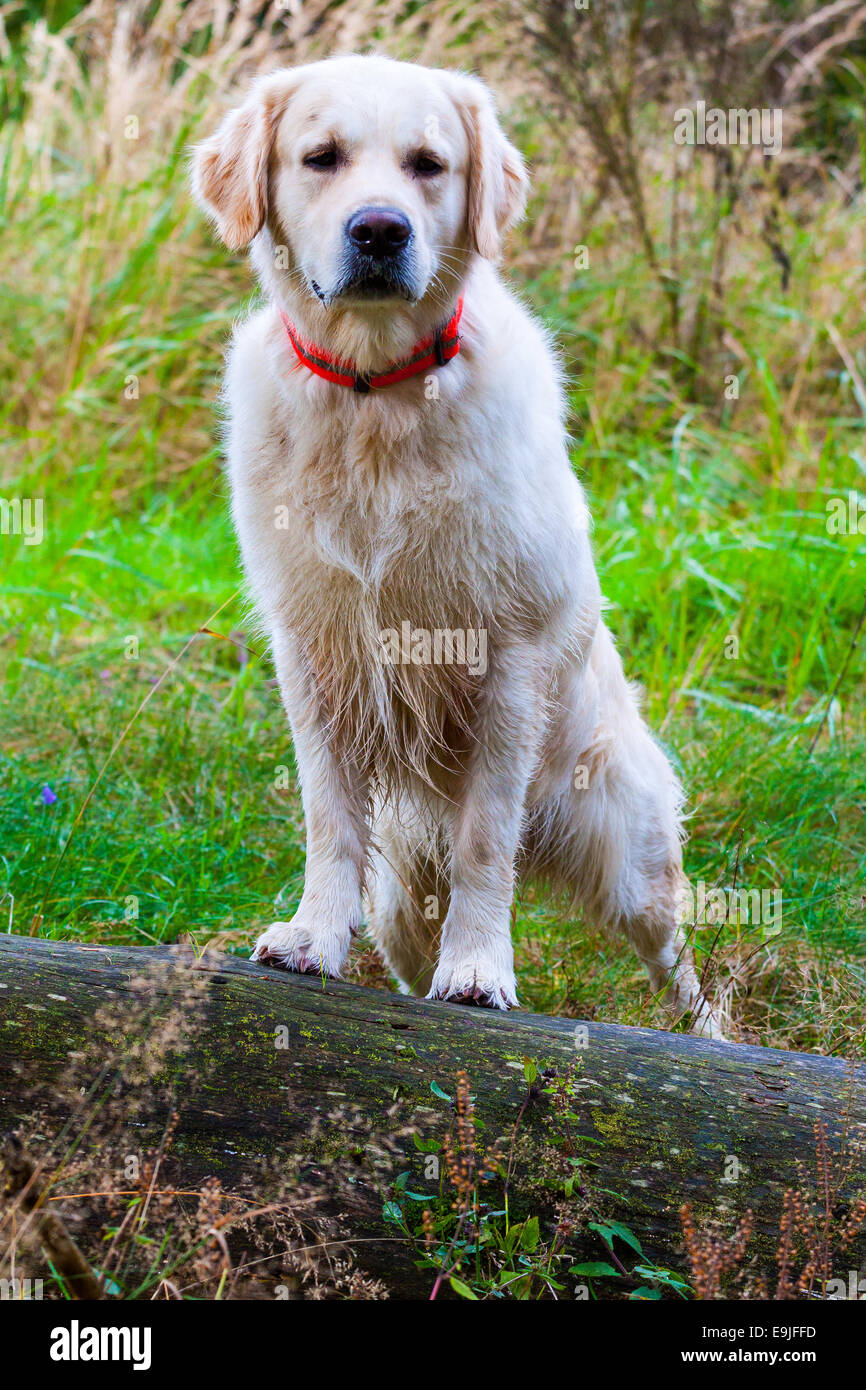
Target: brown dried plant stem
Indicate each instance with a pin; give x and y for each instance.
(24, 1183)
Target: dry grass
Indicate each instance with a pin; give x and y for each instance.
(97, 1204)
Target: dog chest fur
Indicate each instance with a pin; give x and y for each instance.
(358, 517)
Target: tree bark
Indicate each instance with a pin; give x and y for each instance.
(285, 1066)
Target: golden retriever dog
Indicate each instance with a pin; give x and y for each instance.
(417, 545)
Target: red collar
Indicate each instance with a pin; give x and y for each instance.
(434, 351)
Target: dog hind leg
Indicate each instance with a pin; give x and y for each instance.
(613, 837)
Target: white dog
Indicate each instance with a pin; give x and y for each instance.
(417, 545)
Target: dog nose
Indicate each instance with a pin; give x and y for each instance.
(379, 232)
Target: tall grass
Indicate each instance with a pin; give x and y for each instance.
(732, 602)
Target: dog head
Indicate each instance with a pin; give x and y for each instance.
(364, 183)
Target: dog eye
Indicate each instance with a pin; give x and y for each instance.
(426, 164)
(321, 159)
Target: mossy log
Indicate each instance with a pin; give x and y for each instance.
(286, 1069)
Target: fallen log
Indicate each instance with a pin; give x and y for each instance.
(282, 1067)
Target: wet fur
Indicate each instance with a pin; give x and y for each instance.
(426, 788)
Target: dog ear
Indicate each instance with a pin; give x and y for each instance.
(230, 169)
(497, 176)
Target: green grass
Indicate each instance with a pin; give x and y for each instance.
(710, 524)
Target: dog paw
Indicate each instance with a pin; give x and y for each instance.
(292, 946)
(469, 982)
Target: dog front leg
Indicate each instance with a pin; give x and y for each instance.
(476, 959)
(334, 797)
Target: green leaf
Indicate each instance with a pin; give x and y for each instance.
(595, 1270)
(530, 1070)
(108, 1284)
(529, 1238)
(463, 1289)
(660, 1275)
(437, 1091)
(627, 1235)
(608, 1229)
(644, 1293)
(426, 1146)
(392, 1212)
